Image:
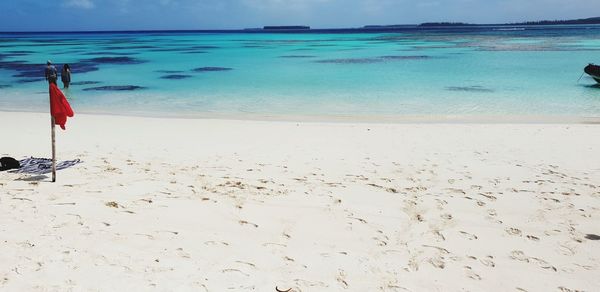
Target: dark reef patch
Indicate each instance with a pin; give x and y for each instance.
(175, 76)
(475, 88)
(5, 86)
(8, 54)
(169, 71)
(125, 41)
(21, 53)
(371, 60)
(322, 45)
(115, 60)
(211, 69)
(350, 61)
(405, 57)
(194, 52)
(297, 56)
(115, 88)
(85, 82)
(194, 49)
(203, 47)
(169, 50)
(25, 69)
(29, 80)
(104, 53)
(127, 47)
(53, 41)
(82, 67)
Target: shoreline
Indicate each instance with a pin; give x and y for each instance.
(349, 119)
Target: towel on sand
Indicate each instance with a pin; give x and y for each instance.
(34, 165)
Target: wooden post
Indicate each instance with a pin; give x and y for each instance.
(53, 151)
(52, 122)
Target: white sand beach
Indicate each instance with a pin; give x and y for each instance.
(232, 205)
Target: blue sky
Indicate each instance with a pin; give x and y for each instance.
(44, 15)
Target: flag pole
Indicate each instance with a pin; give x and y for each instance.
(53, 150)
(52, 122)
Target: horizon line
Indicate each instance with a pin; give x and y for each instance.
(370, 27)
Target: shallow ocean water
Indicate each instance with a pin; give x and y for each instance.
(406, 73)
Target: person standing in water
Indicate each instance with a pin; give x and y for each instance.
(51, 72)
(65, 75)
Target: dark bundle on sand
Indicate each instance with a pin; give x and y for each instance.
(7, 163)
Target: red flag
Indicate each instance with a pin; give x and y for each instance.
(60, 108)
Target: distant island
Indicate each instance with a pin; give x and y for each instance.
(592, 20)
(426, 24)
(393, 26)
(287, 27)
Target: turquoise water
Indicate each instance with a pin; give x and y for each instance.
(409, 73)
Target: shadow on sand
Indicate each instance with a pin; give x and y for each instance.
(34, 178)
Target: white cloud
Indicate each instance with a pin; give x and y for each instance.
(83, 4)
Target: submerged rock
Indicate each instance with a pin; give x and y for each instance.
(175, 76)
(85, 82)
(211, 69)
(5, 86)
(115, 60)
(115, 88)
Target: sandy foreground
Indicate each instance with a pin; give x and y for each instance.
(226, 205)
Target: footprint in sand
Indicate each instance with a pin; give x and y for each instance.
(182, 253)
(565, 250)
(520, 256)
(488, 261)
(488, 196)
(468, 236)
(470, 274)
(565, 289)
(211, 242)
(513, 231)
(438, 235)
(341, 278)
(437, 262)
(244, 222)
